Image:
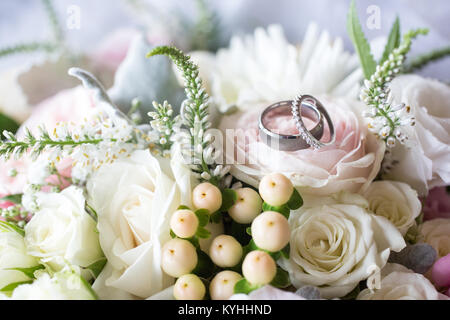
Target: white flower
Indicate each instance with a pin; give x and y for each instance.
(400, 283)
(64, 285)
(134, 199)
(13, 254)
(396, 201)
(62, 229)
(436, 233)
(267, 293)
(426, 164)
(13, 101)
(266, 67)
(335, 245)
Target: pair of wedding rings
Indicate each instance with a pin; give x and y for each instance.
(302, 106)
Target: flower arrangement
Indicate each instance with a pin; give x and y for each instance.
(115, 203)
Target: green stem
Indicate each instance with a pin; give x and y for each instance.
(28, 47)
(422, 60)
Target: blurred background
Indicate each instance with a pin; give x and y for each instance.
(176, 21)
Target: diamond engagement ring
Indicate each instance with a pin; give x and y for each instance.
(297, 109)
(288, 142)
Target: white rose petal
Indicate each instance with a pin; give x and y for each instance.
(400, 283)
(335, 245)
(396, 201)
(426, 165)
(63, 230)
(134, 199)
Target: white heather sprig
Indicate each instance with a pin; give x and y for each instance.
(92, 143)
(164, 125)
(389, 122)
(196, 142)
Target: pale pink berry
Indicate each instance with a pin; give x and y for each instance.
(225, 251)
(248, 205)
(189, 287)
(184, 223)
(179, 257)
(207, 196)
(222, 285)
(270, 231)
(259, 268)
(275, 189)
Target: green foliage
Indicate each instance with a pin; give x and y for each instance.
(8, 289)
(362, 47)
(8, 227)
(295, 201)
(29, 272)
(393, 40)
(422, 60)
(281, 279)
(229, 198)
(243, 286)
(8, 124)
(203, 217)
(97, 267)
(14, 198)
(283, 209)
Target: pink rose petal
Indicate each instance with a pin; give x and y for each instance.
(441, 272)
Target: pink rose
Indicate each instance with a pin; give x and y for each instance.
(351, 163)
(437, 204)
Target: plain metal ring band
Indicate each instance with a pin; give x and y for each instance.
(302, 100)
(284, 142)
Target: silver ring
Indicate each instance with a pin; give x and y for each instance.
(305, 100)
(287, 142)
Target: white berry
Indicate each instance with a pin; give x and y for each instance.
(189, 287)
(247, 206)
(207, 196)
(184, 223)
(222, 285)
(259, 268)
(270, 231)
(275, 189)
(178, 257)
(225, 251)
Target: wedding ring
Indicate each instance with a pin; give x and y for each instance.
(287, 142)
(308, 137)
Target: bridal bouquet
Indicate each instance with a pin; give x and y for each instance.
(106, 195)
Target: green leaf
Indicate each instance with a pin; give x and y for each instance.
(249, 230)
(182, 207)
(10, 287)
(285, 252)
(8, 124)
(194, 241)
(393, 40)
(295, 201)
(229, 198)
(284, 209)
(203, 233)
(205, 267)
(281, 279)
(243, 286)
(29, 272)
(7, 227)
(203, 217)
(362, 47)
(216, 217)
(172, 234)
(14, 198)
(97, 267)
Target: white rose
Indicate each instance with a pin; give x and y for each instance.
(426, 165)
(134, 199)
(400, 283)
(436, 233)
(13, 254)
(64, 285)
(396, 201)
(62, 229)
(335, 245)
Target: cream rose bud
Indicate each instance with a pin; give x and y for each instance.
(225, 251)
(396, 201)
(436, 233)
(63, 229)
(222, 285)
(270, 231)
(275, 189)
(178, 257)
(189, 287)
(247, 206)
(184, 223)
(259, 267)
(207, 196)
